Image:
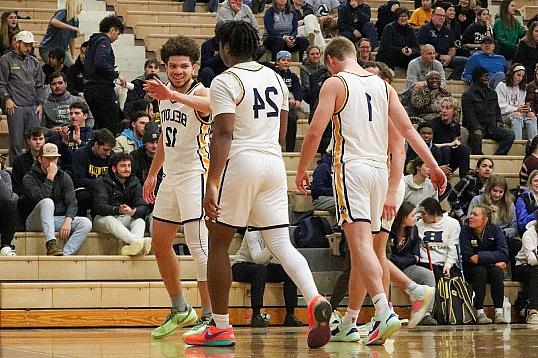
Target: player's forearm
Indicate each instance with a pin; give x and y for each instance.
(397, 164)
(199, 103)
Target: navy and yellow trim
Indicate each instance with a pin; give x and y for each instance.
(343, 208)
(242, 94)
(203, 145)
(346, 98)
(279, 80)
(238, 66)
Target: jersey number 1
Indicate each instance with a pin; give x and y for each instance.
(259, 103)
(369, 100)
(171, 136)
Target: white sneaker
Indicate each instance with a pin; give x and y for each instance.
(366, 328)
(336, 319)
(147, 246)
(133, 249)
(421, 298)
(7, 251)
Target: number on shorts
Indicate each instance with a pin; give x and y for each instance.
(171, 136)
(259, 103)
(369, 100)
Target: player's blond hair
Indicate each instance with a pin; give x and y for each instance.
(340, 48)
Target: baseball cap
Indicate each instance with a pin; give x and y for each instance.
(151, 132)
(283, 53)
(489, 39)
(49, 150)
(25, 36)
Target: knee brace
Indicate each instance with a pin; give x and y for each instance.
(196, 239)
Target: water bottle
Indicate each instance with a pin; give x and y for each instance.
(507, 310)
(128, 85)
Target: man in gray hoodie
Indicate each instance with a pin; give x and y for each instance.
(50, 191)
(56, 106)
(21, 87)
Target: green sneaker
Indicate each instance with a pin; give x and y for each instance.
(345, 333)
(199, 327)
(173, 321)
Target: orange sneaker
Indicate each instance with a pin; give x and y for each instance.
(212, 337)
(319, 317)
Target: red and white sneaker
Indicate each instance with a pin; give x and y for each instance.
(319, 317)
(421, 298)
(212, 337)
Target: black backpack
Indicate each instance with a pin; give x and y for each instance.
(453, 302)
(311, 231)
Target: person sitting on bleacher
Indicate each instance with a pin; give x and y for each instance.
(421, 15)
(255, 264)
(118, 206)
(532, 91)
(475, 33)
(310, 64)
(143, 156)
(89, 163)
(436, 33)
(281, 25)
(421, 66)
(503, 212)
(447, 132)
(55, 63)
(468, 187)
(75, 73)
(426, 100)
(74, 136)
(398, 44)
(484, 255)
(322, 185)
(49, 190)
(530, 164)
(439, 235)
(130, 139)
(527, 51)
(364, 51)
(386, 14)
(295, 90)
(56, 106)
(511, 93)
(418, 185)
(8, 203)
(354, 21)
(425, 129)
(507, 29)
(326, 12)
(151, 70)
(35, 138)
(233, 10)
(526, 269)
(9, 25)
(495, 64)
(527, 203)
(211, 64)
(466, 13)
(482, 115)
(212, 5)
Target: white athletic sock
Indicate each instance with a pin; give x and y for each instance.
(350, 316)
(222, 321)
(479, 311)
(380, 302)
(295, 265)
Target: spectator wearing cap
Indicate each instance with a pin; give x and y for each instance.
(131, 138)
(398, 44)
(354, 22)
(73, 136)
(482, 115)
(143, 156)
(495, 64)
(283, 62)
(436, 33)
(21, 88)
(281, 23)
(50, 191)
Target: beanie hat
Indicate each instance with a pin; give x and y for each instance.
(151, 132)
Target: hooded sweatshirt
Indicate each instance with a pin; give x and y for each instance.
(87, 167)
(442, 238)
(100, 61)
(126, 142)
(416, 193)
(528, 255)
(56, 110)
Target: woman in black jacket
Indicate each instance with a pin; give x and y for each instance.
(484, 253)
(527, 51)
(398, 44)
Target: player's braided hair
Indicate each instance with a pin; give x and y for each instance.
(241, 38)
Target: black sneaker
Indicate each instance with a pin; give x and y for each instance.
(292, 321)
(258, 321)
(428, 321)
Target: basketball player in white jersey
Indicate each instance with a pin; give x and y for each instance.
(246, 184)
(366, 113)
(183, 152)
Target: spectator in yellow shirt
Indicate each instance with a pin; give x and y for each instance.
(421, 15)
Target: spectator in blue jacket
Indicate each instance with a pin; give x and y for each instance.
(283, 62)
(496, 65)
(527, 204)
(484, 253)
(322, 185)
(398, 45)
(211, 63)
(100, 73)
(354, 22)
(281, 23)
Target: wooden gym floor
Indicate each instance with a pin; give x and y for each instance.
(516, 340)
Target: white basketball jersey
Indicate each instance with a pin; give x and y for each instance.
(360, 127)
(185, 136)
(257, 95)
